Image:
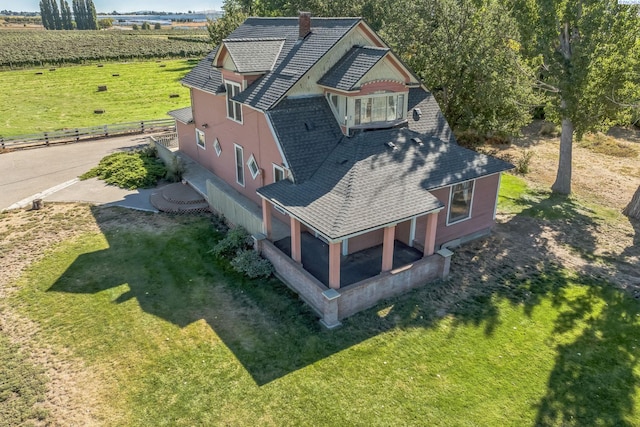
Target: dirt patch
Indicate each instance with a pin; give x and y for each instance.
(602, 179)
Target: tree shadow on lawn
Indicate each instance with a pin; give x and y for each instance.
(272, 333)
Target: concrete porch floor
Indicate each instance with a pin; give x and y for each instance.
(354, 267)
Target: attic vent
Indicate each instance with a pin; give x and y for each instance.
(417, 141)
(417, 112)
(391, 145)
(309, 125)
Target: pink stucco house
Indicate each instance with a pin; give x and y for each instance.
(317, 122)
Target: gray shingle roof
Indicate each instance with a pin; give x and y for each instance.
(204, 77)
(184, 115)
(363, 184)
(254, 55)
(352, 67)
(307, 131)
(296, 56)
(424, 115)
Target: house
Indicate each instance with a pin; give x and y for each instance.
(317, 122)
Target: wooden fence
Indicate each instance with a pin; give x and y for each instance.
(79, 134)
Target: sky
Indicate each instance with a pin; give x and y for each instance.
(123, 5)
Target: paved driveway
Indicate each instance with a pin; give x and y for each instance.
(51, 173)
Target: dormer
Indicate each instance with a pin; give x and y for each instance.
(248, 58)
(368, 88)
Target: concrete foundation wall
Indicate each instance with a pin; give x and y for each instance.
(366, 294)
(164, 153)
(237, 213)
(345, 302)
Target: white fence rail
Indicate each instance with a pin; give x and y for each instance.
(78, 134)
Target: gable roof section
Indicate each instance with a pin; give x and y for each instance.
(296, 57)
(254, 55)
(183, 115)
(204, 76)
(307, 131)
(346, 73)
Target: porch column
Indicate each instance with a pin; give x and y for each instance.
(430, 235)
(387, 248)
(296, 253)
(334, 265)
(266, 218)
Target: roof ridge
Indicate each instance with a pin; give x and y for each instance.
(352, 173)
(254, 39)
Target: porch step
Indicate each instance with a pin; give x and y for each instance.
(178, 198)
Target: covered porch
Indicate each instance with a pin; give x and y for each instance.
(340, 277)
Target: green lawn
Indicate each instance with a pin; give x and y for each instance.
(67, 97)
(180, 339)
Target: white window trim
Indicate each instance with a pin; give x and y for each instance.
(252, 159)
(232, 83)
(204, 139)
(473, 190)
(351, 107)
(281, 169)
(217, 147)
(235, 153)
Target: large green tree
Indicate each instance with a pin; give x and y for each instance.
(234, 14)
(466, 52)
(585, 51)
(55, 12)
(92, 20)
(65, 11)
(47, 15)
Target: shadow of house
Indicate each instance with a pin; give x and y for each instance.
(272, 333)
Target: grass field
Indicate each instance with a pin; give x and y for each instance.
(175, 337)
(67, 97)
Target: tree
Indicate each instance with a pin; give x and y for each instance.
(79, 14)
(466, 52)
(222, 27)
(105, 23)
(92, 21)
(55, 15)
(584, 52)
(47, 15)
(633, 208)
(67, 21)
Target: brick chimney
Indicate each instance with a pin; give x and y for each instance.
(304, 23)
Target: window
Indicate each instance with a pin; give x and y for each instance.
(278, 173)
(234, 108)
(217, 147)
(338, 105)
(378, 108)
(200, 138)
(460, 201)
(239, 165)
(253, 167)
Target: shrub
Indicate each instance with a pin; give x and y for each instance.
(175, 170)
(129, 170)
(522, 164)
(469, 139)
(251, 264)
(236, 241)
(157, 26)
(549, 129)
(134, 27)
